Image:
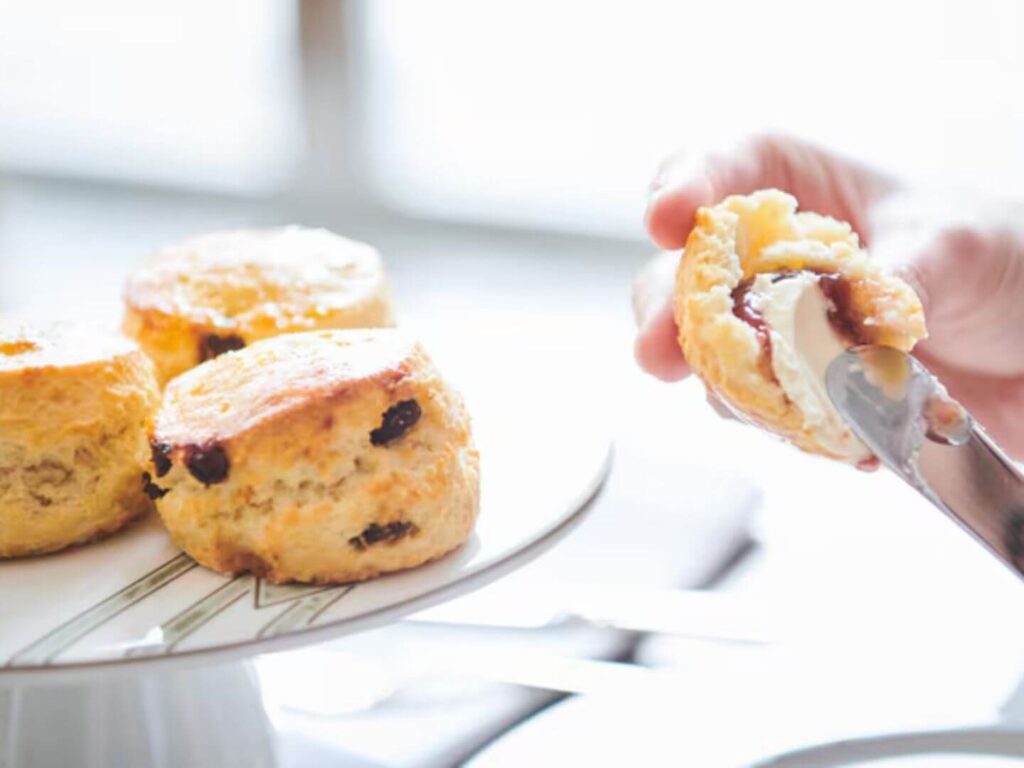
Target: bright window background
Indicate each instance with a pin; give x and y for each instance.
(530, 113)
(557, 113)
(188, 94)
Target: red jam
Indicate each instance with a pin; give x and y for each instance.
(836, 289)
(745, 310)
(839, 292)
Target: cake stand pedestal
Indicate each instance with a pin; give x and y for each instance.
(200, 716)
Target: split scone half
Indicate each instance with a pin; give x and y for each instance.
(766, 297)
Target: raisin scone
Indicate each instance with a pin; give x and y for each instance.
(219, 292)
(326, 457)
(75, 408)
(766, 297)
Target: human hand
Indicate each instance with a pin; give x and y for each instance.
(966, 262)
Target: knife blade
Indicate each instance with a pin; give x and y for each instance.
(902, 412)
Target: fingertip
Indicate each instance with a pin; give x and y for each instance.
(663, 368)
(871, 464)
(671, 211)
(656, 350)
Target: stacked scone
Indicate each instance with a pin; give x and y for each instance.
(220, 292)
(299, 437)
(282, 448)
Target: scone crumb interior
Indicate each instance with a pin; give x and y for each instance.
(756, 280)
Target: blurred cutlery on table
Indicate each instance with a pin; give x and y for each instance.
(699, 614)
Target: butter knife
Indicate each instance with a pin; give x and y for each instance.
(903, 414)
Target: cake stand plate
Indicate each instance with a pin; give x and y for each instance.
(127, 652)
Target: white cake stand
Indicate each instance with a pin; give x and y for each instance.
(125, 652)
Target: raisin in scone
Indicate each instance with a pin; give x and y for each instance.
(766, 297)
(75, 408)
(219, 292)
(327, 457)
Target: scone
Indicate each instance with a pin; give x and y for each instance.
(328, 456)
(766, 297)
(75, 408)
(219, 292)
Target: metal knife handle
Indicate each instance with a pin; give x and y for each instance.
(980, 488)
(887, 399)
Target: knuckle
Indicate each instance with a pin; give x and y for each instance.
(961, 239)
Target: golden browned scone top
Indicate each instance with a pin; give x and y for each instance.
(320, 457)
(233, 394)
(30, 349)
(256, 281)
